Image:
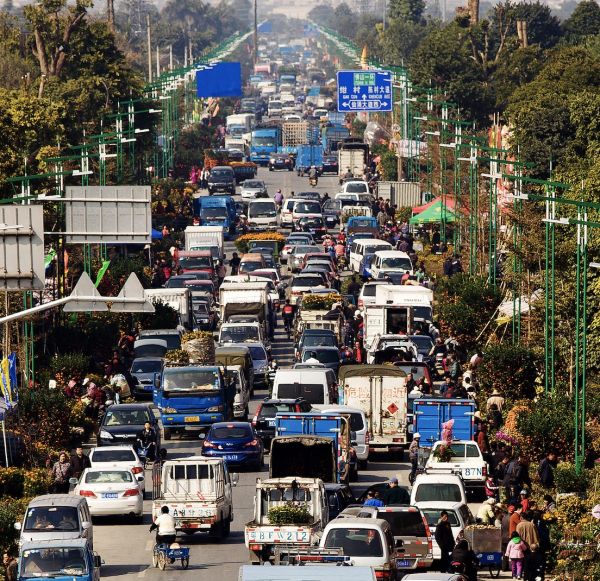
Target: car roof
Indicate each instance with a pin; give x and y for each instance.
(55, 500)
(360, 523)
(438, 479)
(391, 254)
(111, 448)
(439, 504)
(129, 406)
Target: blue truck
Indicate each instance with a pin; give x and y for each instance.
(192, 396)
(333, 426)
(264, 143)
(216, 211)
(307, 156)
(332, 136)
(430, 414)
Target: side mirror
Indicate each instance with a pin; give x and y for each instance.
(98, 561)
(85, 525)
(235, 478)
(17, 526)
(73, 481)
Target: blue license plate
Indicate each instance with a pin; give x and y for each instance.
(271, 423)
(110, 495)
(403, 563)
(231, 457)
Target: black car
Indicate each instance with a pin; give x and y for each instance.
(331, 212)
(123, 421)
(264, 420)
(330, 164)
(281, 161)
(313, 225)
(339, 497)
(381, 489)
(221, 179)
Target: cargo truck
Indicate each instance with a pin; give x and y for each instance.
(264, 142)
(430, 414)
(177, 298)
(353, 155)
(307, 156)
(205, 238)
(379, 391)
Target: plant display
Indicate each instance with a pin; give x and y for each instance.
(176, 357)
(443, 453)
(320, 302)
(288, 514)
(241, 242)
(199, 346)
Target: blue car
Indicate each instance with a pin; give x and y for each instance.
(236, 442)
(364, 268)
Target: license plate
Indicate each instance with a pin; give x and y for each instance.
(472, 472)
(231, 457)
(271, 423)
(190, 419)
(403, 563)
(110, 495)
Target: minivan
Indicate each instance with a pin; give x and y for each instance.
(362, 246)
(262, 215)
(390, 261)
(316, 386)
(221, 179)
(56, 517)
(251, 262)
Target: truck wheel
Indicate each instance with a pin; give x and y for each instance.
(217, 531)
(167, 433)
(226, 529)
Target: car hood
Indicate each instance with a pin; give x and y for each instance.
(122, 430)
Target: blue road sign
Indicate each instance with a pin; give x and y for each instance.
(364, 91)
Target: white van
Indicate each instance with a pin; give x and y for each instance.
(438, 488)
(359, 428)
(390, 261)
(359, 248)
(316, 386)
(235, 374)
(262, 215)
(286, 211)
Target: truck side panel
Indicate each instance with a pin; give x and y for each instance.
(429, 415)
(303, 456)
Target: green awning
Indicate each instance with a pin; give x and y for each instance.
(434, 214)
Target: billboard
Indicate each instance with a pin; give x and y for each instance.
(219, 80)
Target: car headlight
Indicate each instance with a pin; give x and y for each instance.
(271, 160)
(106, 435)
(169, 410)
(215, 408)
(263, 369)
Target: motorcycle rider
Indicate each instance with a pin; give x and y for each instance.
(288, 314)
(278, 198)
(146, 439)
(463, 560)
(313, 176)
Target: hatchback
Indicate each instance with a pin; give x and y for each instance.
(122, 422)
(236, 442)
(143, 371)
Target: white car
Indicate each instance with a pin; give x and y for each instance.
(306, 209)
(117, 458)
(385, 341)
(356, 187)
(112, 491)
(304, 282)
(459, 516)
(368, 292)
(285, 216)
(294, 240)
(466, 461)
(252, 189)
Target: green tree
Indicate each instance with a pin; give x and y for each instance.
(406, 10)
(399, 41)
(584, 21)
(543, 27)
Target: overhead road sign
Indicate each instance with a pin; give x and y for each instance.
(364, 91)
(219, 80)
(22, 248)
(108, 214)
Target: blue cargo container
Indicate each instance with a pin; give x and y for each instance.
(430, 414)
(307, 156)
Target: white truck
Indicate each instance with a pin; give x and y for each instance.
(240, 124)
(198, 492)
(466, 461)
(177, 298)
(262, 537)
(244, 298)
(205, 238)
(380, 391)
(395, 310)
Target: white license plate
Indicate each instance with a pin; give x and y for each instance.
(472, 472)
(232, 457)
(110, 495)
(271, 423)
(403, 563)
(271, 536)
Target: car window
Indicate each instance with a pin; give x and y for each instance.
(62, 518)
(356, 542)
(230, 433)
(321, 355)
(433, 515)
(311, 392)
(126, 418)
(434, 492)
(460, 452)
(113, 456)
(404, 523)
(269, 410)
(257, 353)
(108, 477)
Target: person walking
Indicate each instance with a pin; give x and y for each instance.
(79, 462)
(515, 551)
(234, 263)
(546, 469)
(495, 399)
(534, 564)
(527, 530)
(10, 566)
(413, 455)
(61, 472)
(445, 540)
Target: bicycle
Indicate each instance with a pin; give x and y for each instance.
(161, 553)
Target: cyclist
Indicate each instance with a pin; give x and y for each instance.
(287, 313)
(164, 524)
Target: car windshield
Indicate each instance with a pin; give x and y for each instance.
(356, 188)
(177, 281)
(257, 353)
(230, 433)
(214, 212)
(311, 392)
(396, 262)
(318, 341)
(239, 334)
(404, 523)
(253, 185)
(251, 266)
(418, 372)
(433, 515)
(126, 417)
(321, 355)
(269, 410)
(370, 248)
(262, 210)
(146, 366)
(190, 380)
(53, 562)
(263, 141)
(355, 542)
(221, 173)
(188, 262)
(307, 208)
(307, 281)
(423, 343)
(56, 518)
(124, 455)
(438, 492)
(108, 477)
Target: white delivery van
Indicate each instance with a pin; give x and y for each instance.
(314, 385)
(262, 215)
(390, 261)
(364, 246)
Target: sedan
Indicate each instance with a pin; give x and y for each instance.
(328, 356)
(297, 253)
(303, 283)
(330, 164)
(143, 371)
(314, 225)
(122, 422)
(252, 189)
(281, 161)
(112, 492)
(236, 442)
(295, 239)
(116, 458)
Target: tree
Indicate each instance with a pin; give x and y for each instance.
(584, 21)
(53, 23)
(406, 10)
(399, 41)
(543, 27)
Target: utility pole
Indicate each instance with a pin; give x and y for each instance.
(157, 62)
(255, 31)
(170, 57)
(149, 47)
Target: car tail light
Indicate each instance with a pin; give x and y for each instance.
(484, 471)
(87, 493)
(251, 444)
(255, 418)
(254, 547)
(382, 574)
(137, 469)
(207, 444)
(131, 492)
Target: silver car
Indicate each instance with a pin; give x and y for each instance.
(296, 255)
(252, 189)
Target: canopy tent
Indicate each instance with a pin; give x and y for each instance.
(449, 199)
(434, 214)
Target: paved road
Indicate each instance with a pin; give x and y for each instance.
(126, 548)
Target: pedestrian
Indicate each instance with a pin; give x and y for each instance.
(527, 530)
(79, 462)
(495, 399)
(447, 385)
(372, 500)
(525, 502)
(546, 469)
(515, 551)
(221, 272)
(515, 519)
(549, 504)
(490, 488)
(413, 455)
(354, 287)
(486, 514)
(495, 419)
(360, 355)
(234, 263)
(447, 267)
(10, 565)
(482, 439)
(395, 494)
(61, 472)
(445, 540)
(534, 564)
